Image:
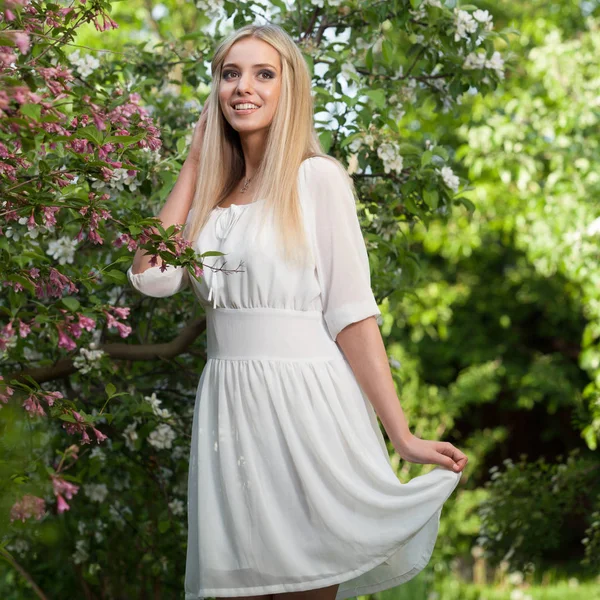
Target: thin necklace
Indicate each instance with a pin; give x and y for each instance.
(245, 186)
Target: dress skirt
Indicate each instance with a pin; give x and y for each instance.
(290, 482)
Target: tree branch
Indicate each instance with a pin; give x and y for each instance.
(65, 367)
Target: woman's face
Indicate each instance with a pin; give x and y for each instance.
(251, 74)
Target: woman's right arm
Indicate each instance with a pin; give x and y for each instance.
(149, 280)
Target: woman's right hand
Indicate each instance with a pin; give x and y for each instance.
(198, 135)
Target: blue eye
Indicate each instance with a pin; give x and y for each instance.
(269, 73)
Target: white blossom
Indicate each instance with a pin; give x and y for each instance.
(163, 413)
(421, 13)
(88, 360)
(210, 7)
(96, 492)
(179, 452)
(449, 178)
(475, 60)
(594, 227)
(62, 249)
(130, 434)
(464, 23)
(349, 72)
(159, 11)
(483, 16)
(98, 453)
(85, 65)
(19, 546)
(162, 437)
(388, 152)
(99, 527)
(177, 507)
(81, 553)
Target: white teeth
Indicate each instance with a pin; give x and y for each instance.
(245, 106)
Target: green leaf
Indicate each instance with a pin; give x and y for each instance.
(92, 134)
(181, 145)
(31, 110)
(326, 137)
(369, 59)
(466, 203)
(71, 303)
(115, 276)
(589, 435)
(126, 140)
(387, 51)
(110, 389)
(431, 198)
(347, 140)
(441, 151)
(426, 158)
(378, 97)
(409, 149)
(164, 526)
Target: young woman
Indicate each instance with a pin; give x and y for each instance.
(291, 492)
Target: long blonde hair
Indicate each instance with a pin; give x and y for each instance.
(291, 139)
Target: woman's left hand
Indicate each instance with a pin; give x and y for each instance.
(416, 450)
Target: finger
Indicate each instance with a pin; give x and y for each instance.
(445, 461)
(455, 457)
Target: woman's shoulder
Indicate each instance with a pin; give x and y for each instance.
(317, 166)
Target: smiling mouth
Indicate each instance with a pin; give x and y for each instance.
(245, 110)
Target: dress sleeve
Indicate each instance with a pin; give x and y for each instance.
(341, 257)
(160, 284)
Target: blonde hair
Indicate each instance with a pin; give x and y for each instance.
(291, 139)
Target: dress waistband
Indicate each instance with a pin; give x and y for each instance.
(273, 333)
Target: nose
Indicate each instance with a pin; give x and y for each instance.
(244, 84)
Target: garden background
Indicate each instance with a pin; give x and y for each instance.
(471, 132)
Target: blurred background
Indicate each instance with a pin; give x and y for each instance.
(471, 131)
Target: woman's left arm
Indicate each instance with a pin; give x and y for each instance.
(363, 346)
(350, 308)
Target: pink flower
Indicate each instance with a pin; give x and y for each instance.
(122, 312)
(124, 330)
(94, 237)
(61, 504)
(33, 407)
(64, 341)
(28, 506)
(8, 391)
(24, 329)
(50, 397)
(49, 218)
(61, 486)
(77, 416)
(74, 329)
(22, 42)
(99, 435)
(86, 322)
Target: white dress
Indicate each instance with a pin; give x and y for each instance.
(290, 482)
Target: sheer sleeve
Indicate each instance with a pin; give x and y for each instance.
(341, 258)
(159, 284)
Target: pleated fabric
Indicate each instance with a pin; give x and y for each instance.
(290, 485)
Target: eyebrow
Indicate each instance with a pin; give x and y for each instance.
(258, 65)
